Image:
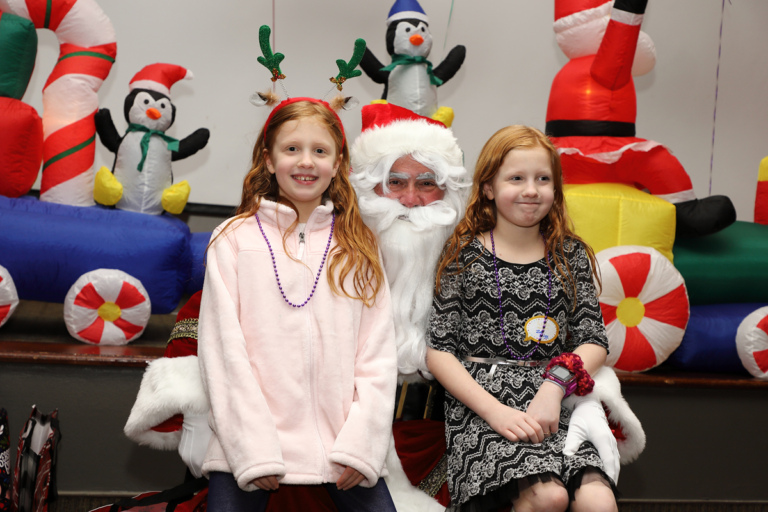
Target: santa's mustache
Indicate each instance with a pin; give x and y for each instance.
(380, 212)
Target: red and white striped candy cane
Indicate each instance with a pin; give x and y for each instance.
(70, 96)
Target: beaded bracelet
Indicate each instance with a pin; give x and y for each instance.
(575, 365)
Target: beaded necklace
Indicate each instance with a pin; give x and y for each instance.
(501, 311)
(274, 263)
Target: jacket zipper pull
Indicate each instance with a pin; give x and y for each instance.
(301, 244)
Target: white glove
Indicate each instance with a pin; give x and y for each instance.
(588, 423)
(195, 435)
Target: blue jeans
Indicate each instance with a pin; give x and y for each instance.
(224, 495)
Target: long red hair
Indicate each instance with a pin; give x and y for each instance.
(356, 248)
(481, 211)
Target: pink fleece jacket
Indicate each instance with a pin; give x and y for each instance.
(294, 392)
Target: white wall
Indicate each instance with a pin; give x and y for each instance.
(511, 60)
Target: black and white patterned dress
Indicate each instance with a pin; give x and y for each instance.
(465, 321)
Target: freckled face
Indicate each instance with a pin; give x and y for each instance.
(303, 159)
(411, 183)
(523, 189)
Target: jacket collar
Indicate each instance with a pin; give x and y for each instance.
(282, 216)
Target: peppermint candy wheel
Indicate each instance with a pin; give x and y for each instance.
(107, 307)
(645, 306)
(9, 299)
(752, 343)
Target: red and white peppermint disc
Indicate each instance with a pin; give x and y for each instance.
(9, 299)
(645, 306)
(107, 307)
(752, 343)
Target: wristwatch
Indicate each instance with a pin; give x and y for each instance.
(563, 377)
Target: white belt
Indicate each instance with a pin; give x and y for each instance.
(500, 361)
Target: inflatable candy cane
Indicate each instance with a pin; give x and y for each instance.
(70, 100)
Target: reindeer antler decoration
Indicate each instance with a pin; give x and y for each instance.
(347, 69)
(270, 60)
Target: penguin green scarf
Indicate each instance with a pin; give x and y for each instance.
(173, 144)
(405, 60)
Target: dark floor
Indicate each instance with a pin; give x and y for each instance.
(85, 504)
(703, 506)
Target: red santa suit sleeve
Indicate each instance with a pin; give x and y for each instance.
(170, 387)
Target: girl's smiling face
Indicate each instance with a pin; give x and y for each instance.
(522, 189)
(303, 159)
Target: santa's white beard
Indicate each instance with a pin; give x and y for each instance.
(411, 249)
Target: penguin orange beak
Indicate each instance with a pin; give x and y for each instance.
(153, 114)
(416, 39)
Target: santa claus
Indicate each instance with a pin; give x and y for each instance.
(412, 189)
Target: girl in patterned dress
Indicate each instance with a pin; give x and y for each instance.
(515, 290)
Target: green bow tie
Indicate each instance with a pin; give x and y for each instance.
(405, 60)
(173, 144)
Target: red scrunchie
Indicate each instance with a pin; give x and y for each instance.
(574, 363)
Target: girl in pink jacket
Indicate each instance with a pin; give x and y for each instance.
(296, 338)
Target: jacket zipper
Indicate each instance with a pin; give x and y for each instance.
(301, 245)
(312, 376)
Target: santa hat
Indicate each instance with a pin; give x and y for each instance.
(406, 9)
(392, 131)
(159, 77)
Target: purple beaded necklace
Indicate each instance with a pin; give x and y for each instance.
(501, 311)
(274, 264)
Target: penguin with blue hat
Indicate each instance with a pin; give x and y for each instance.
(410, 81)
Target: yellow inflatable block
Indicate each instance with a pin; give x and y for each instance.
(609, 214)
(175, 197)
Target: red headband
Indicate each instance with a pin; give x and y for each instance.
(311, 100)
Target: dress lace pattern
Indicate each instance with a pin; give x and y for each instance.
(465, 321)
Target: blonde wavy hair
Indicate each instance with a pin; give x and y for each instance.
(481, 211)
(356, 248)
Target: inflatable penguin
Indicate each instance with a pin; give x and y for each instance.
(592, 110)
(141, 178)
(410, 81)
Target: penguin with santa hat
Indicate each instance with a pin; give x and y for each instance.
(141, 179)
(593, 106)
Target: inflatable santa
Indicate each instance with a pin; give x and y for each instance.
(593, 106)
